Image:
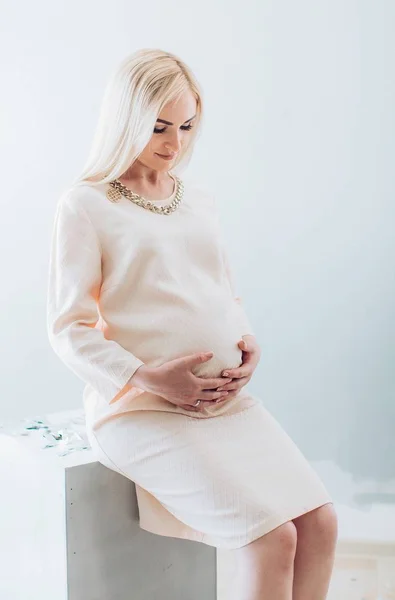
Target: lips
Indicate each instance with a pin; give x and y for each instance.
(168, 156)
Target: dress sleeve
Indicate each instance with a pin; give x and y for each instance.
(74, 282)
(244, 320)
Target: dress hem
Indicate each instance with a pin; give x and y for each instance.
(258, 531)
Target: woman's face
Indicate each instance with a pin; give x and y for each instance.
(171, 133)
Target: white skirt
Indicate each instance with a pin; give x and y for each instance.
(223, 481)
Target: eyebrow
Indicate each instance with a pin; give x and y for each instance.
(169, 123)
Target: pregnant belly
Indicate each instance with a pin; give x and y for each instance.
(167, 337)
(219, 335)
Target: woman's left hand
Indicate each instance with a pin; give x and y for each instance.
(251, 354)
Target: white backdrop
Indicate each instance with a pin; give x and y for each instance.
(298, 147)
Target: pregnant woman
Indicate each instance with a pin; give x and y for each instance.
(142, 307)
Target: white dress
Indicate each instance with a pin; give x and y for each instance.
(129, 287)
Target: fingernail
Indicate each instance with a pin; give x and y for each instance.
(225, 374)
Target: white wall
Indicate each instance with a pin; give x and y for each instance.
(298, 147)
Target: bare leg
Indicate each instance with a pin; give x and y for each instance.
(265, 566)
(315, 553)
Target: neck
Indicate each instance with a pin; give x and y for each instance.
(145, 176)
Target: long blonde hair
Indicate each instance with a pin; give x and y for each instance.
(138, 89)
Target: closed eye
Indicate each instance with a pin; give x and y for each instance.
(184, 127)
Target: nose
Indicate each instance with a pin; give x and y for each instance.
(173, 143)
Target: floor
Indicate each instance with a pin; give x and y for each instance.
(355, 577)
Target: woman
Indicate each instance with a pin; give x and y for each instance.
(141, 307)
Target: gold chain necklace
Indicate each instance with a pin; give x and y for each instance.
(117, 190)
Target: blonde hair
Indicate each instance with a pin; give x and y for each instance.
(136, 92)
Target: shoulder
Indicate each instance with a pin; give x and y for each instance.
(199, 191)
(83, 200)
(82, 197)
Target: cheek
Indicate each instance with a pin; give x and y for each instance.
(148, 154)
(156, 146)
(152, 147)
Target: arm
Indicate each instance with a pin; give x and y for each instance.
(75, 278)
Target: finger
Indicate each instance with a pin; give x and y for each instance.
(236, 384)
(219, 399)
(212, 383)
(210, 395)
(213, 397)
(242, 382)
(229, 386)
(249, 358)
(232, 394)
(244, 346)
(243, 371)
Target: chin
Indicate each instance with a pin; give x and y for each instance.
(163, 165)
(160, 165)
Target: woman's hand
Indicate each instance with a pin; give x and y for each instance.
(174, 381)
(241, 375)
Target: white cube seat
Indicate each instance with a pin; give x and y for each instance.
(70, 526)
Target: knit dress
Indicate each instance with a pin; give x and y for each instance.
(128, 287)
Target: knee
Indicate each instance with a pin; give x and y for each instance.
(284, 538)
(327, 523)
(278, 546)
(321, 523)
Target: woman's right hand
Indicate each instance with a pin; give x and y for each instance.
(175, 381)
